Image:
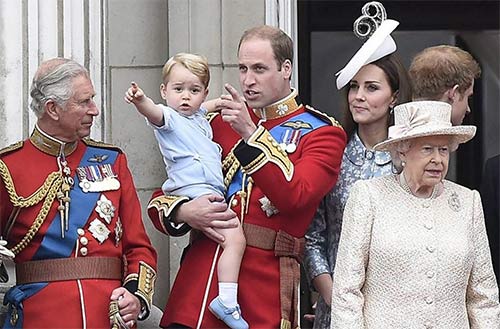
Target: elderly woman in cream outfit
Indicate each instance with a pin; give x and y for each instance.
(413, 250)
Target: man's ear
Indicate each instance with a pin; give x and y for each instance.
(286, 68)
(452, 94)
(51, 109)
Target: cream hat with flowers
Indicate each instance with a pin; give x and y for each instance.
(379, 44)
(423, 118)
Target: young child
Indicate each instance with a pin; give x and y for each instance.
(193, 161)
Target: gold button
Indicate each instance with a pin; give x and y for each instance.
(84, 241)
(80, 231)
(84, 251)
(270, 138)
(234, 203)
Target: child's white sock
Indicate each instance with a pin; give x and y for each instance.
(228, 293)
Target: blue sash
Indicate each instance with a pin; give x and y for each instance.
(277, 132)
(53, 246)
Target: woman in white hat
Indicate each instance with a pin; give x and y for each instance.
(413, 251)
(371, 87)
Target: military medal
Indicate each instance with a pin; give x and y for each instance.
(118, 232)
(99, 231)
(105, 209)
(294, 140)
(97, 178)
(268, 207)
(284, 139)
(290, 148)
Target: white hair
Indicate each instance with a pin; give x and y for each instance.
(54, 84)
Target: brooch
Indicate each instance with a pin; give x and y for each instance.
(454, 202)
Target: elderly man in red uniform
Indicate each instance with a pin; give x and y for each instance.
(70, 216)
(279, 159)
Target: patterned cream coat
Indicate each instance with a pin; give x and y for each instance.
(405, 262)
(323, 235)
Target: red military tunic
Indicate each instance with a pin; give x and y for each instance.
(82, 303)
(294, 183)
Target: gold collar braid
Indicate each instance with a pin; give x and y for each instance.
(50, 145)
(281, 108)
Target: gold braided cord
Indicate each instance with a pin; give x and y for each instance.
(229, 159)
(231, 171)
(35, 197)
(230, 165)
(40, 218)
(48, 191)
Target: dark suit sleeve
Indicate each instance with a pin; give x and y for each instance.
(490, 196)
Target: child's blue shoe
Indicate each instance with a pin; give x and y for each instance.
(230, 315)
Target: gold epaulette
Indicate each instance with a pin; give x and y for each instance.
(91, 142)
(323, 116)
(11, 148)
(211, 116)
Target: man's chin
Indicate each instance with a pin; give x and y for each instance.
(84, 133)
(255, 104)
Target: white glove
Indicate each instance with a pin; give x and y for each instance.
(5, 253)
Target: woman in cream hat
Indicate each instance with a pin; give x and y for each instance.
(372, 83)
(413, 250)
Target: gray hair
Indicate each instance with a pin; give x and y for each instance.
(405, 145)
(52, 81)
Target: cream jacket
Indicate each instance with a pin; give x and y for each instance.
(405, 262)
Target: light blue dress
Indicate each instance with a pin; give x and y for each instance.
(192, 159)
(323, 234)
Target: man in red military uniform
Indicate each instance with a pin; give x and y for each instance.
(70, 215)
(279, 159)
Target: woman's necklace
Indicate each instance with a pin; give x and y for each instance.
(404, 184)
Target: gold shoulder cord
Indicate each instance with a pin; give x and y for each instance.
(48, 191)
(231, 165)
